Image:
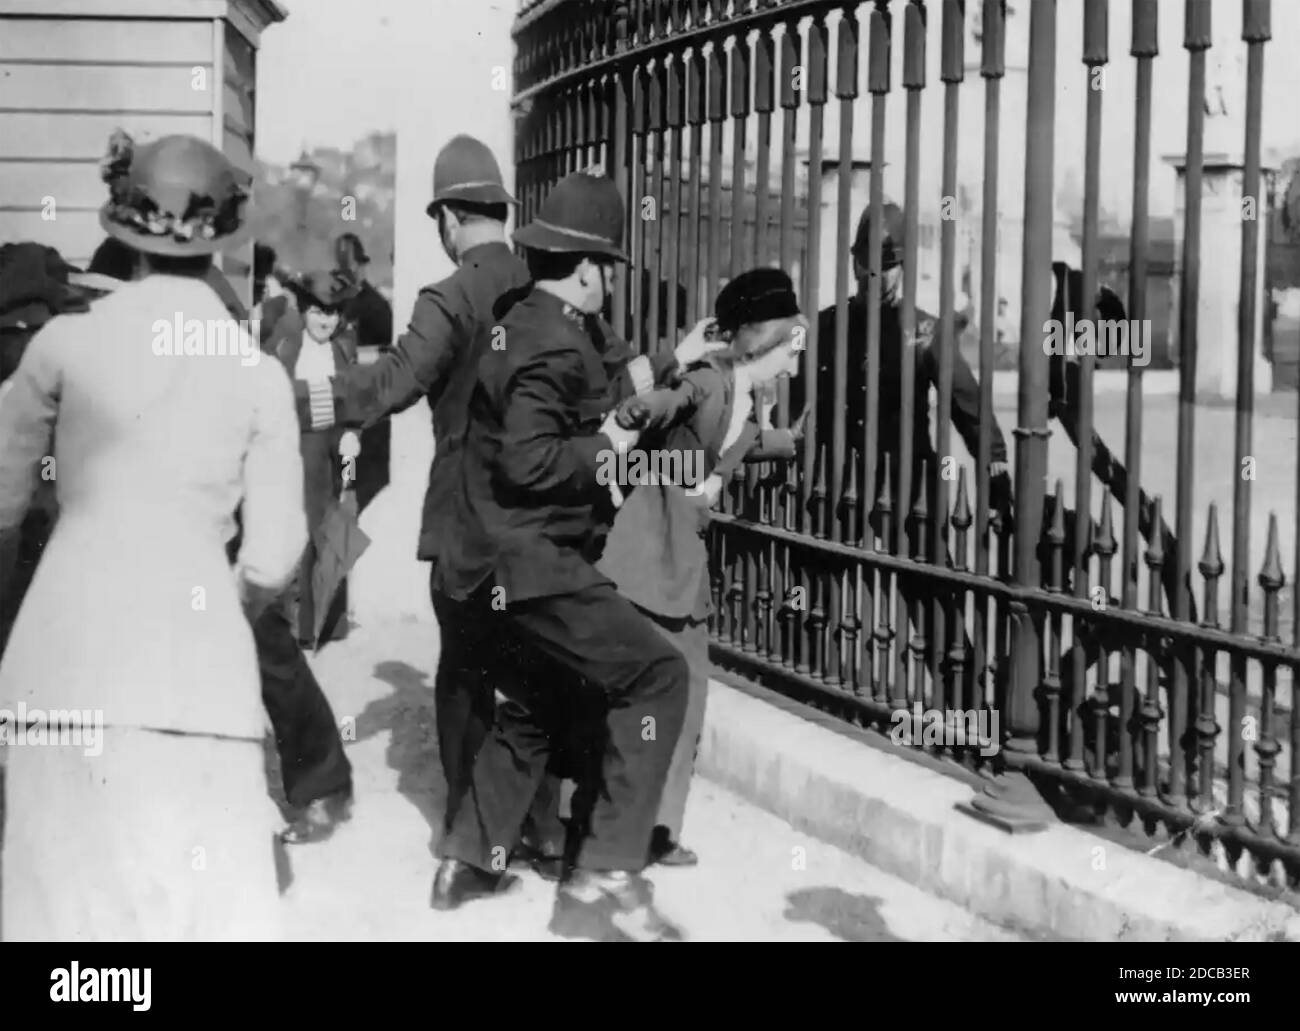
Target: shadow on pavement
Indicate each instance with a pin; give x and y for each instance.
(413, 748)
(853, 918)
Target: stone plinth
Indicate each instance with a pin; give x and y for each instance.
(1220, 279)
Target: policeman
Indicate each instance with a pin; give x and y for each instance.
(520, 552)
(965, 388)
(436, 358)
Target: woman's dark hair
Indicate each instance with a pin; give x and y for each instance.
(115, 259)
(552, 264)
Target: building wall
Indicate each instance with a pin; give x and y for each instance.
(68, 83)
(73, 72)
(238, 90)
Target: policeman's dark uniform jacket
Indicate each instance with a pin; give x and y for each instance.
(530, 514)
(965, 408)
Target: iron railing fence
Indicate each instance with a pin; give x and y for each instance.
(864, 578)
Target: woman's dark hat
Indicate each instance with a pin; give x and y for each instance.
(759, 295)
(583, 214)
(329, 291)
(465, 170)
(176, 196)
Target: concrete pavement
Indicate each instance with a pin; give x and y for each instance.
(759, 878)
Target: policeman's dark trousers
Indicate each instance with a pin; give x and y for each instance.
(473, 660)
(312, 761)
(601, 642)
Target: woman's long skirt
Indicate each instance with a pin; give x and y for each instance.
(691, 638)
(161, 837)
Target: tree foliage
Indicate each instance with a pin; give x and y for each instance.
(354, 194)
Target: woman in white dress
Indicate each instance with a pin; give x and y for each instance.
(160, 826)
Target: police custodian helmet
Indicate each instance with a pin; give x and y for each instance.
(583, 214)
(466, 171)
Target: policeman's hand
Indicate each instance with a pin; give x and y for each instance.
(697, 343)
(349, 445)
(632, 414)
(619, 437)
(997, 469)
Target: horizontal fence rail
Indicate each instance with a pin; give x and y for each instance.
(904, 560)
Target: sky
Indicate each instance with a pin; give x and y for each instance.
(323, 77)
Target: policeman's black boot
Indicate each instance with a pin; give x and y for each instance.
(609, 906)
(457, 882)
(664, 851)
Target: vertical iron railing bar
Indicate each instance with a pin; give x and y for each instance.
(1095, 58)
(878, 83)
(913, 82)
(1255, 32)
(952, 74)
(992, 70)
(1144, 48)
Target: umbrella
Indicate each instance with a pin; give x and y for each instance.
(339, 542)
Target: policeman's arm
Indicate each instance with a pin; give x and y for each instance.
(633, 375)
(417, 364)
(537, 455)
(665, 407)
(966, 403)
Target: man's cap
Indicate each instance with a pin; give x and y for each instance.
(328, 291)
(349, 251)
(891, 236)
(466, 170)
(583, 214)
(177, 196)
(759, 295)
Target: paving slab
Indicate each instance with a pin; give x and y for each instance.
(759, 878)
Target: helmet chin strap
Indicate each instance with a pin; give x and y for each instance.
(606, 310)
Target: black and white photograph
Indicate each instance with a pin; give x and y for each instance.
(651, 470)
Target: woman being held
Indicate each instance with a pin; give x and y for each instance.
(716, 418)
